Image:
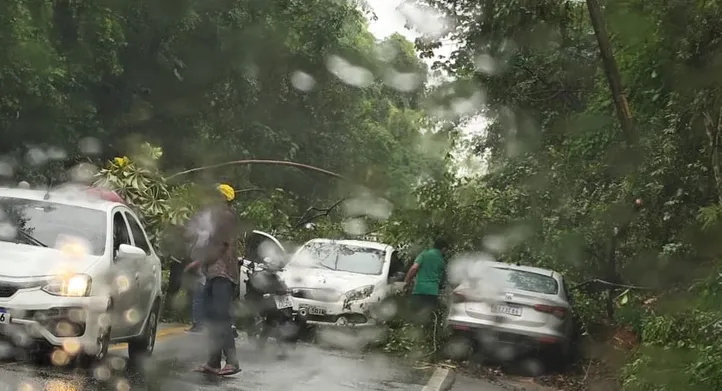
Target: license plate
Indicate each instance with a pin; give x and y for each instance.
(316, 311)
(505, 309)
(283, 301)
(4, 317)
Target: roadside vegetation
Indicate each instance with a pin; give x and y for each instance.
(125, 94)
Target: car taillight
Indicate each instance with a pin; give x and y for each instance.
(559, 312)
(457, 297)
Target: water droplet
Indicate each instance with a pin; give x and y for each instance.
(428, 21)
(90, 146)
(117, 363)
(59, 358)
(71, 346)
(56, 153)
(485, 63)
(386, 52)
(6, 169)
(102, 373)
(83, 173)
(355, 226)
(349, 73)
(132, 316)
(122, 283)
(36, 156)
(7, 231)
(405, 82)
(123, 385)
(302, 81)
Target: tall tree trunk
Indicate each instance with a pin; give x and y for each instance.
(611, 71)
(625, 121)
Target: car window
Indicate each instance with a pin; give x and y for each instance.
(396, 264)
(52, 223)
(565, 289)
(340, 257)
(120, 231)
(526, 281)
(138, 235)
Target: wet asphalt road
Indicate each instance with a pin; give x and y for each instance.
(308, 367)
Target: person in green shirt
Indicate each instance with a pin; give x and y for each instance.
(429, 269)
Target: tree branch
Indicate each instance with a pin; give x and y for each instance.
(607, 284)
(257, 161)
(305, 218)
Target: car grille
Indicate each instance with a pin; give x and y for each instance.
(8, 290)
(324, 295)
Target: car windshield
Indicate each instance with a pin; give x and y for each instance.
(47, 224)
(340, 257)
(527, 281)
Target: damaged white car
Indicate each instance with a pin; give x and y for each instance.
(338, 282)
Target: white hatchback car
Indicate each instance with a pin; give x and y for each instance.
(78, 274)
(509, 309)
(335, 282)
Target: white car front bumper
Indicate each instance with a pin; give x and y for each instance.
(71, 322)
(338, 313)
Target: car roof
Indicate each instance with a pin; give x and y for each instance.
(356, 243)
(531, 269)
(71, 197)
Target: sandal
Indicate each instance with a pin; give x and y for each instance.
(229, 370)
(204, 368)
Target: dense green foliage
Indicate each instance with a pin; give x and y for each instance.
(214, 81)
(562, 175)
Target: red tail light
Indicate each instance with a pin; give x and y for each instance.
(559, 312)
(458, 297)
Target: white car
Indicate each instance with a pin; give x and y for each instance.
(509, 309)
(78, 274)
(335, 282)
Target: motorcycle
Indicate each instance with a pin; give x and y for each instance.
(270, 306)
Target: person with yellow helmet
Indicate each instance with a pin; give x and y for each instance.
(214, 232)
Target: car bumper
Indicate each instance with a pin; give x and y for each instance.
(71, 322)
(334, 314)
(504, 333)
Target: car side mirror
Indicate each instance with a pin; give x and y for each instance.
(126, 251)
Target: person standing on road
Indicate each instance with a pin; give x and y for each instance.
(429, 269)
(217, 230)
(197, 293)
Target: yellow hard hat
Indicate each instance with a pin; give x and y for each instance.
(227, 191)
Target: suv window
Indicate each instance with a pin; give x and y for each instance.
(138, 235)
(120, 232)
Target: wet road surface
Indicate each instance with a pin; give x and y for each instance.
(308, 367)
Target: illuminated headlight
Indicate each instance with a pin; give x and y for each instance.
(360, 293)
(77, 285)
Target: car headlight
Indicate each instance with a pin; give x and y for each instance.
(360, 293)
(76, 285)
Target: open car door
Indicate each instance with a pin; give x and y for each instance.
(258, 248)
